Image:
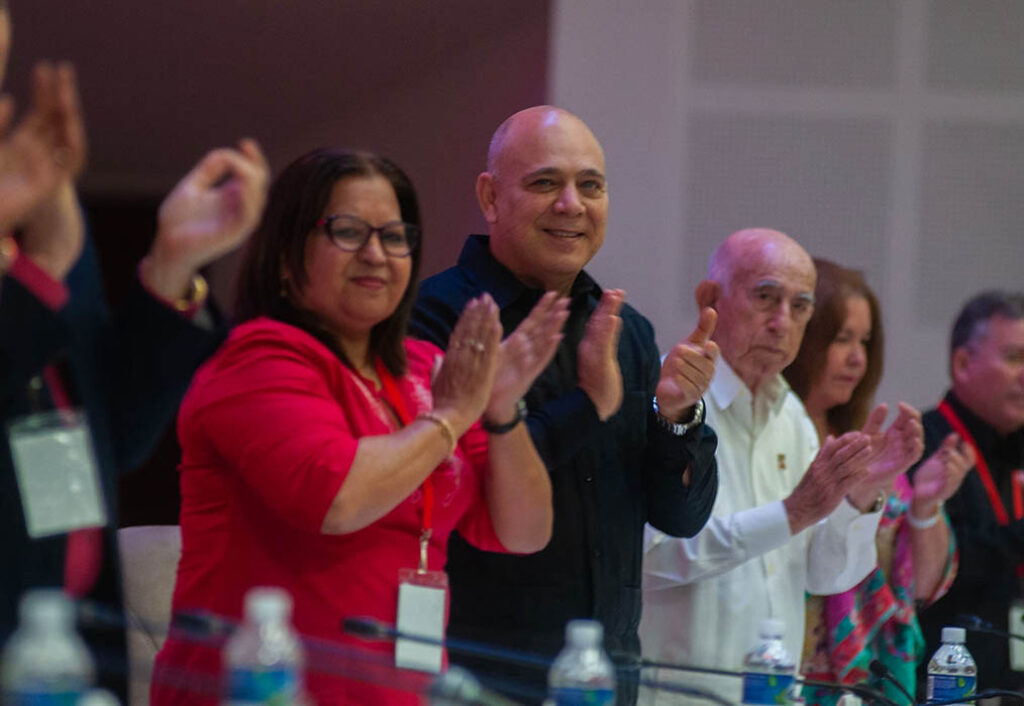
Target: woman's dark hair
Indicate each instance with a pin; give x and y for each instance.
(296, 202)
(836, 285)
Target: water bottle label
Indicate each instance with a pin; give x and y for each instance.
(42, 698)
(271, 687)
(583, 697)
(767, 688)
(945, 687)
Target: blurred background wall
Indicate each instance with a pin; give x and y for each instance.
(885, 134)
(422, 82)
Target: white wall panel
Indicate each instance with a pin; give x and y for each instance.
(887, 135)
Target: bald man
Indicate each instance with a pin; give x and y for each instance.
(789, 517)
(615, 460)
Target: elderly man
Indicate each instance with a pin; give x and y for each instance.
(789, 517)
(986, 408)
(616, 461)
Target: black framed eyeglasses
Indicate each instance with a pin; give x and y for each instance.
(351, 233)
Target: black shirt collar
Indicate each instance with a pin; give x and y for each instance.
(985, 435)
(505, 287)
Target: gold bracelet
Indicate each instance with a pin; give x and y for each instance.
(445, 427)
(197, 292)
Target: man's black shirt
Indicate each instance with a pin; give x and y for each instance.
(608, 478)
(986, 582)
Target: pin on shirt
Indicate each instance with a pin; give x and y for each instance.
(782, 462)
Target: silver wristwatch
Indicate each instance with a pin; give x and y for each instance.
(679, 428)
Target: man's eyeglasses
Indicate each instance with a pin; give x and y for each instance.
(350, 234)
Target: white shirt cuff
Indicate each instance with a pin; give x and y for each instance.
(764, 528)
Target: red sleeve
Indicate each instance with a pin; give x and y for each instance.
(49, 291)
(266, 408)
(475, 525)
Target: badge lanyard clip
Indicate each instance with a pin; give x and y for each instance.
(424, 545)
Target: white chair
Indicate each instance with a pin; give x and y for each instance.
(149, 562)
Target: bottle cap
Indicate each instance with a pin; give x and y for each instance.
(46, 608)
(771, 628)
(584, 633)
(267, 603)
(97, 697)
(954, 635)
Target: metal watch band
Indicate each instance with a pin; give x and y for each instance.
(679, 428)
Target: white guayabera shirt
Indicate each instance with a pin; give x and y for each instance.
(704, 596)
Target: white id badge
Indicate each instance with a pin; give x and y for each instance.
(422, 601)
(57, 473)
(1016, 627)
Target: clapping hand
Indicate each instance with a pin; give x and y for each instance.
(893, 451)
(840, 466)
(211, 211)
(939, 476)
(524, 355)
(688, 368)
(597, 358)
(39, 160)
(463, 381)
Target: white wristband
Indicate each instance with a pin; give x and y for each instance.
(926, 523)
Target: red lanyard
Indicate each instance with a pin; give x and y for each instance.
(389, 390)
(986, 476)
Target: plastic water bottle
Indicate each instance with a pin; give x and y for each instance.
(45, 661)
(263, 658)
(769, 669)
(952, 673)
(582, 674)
